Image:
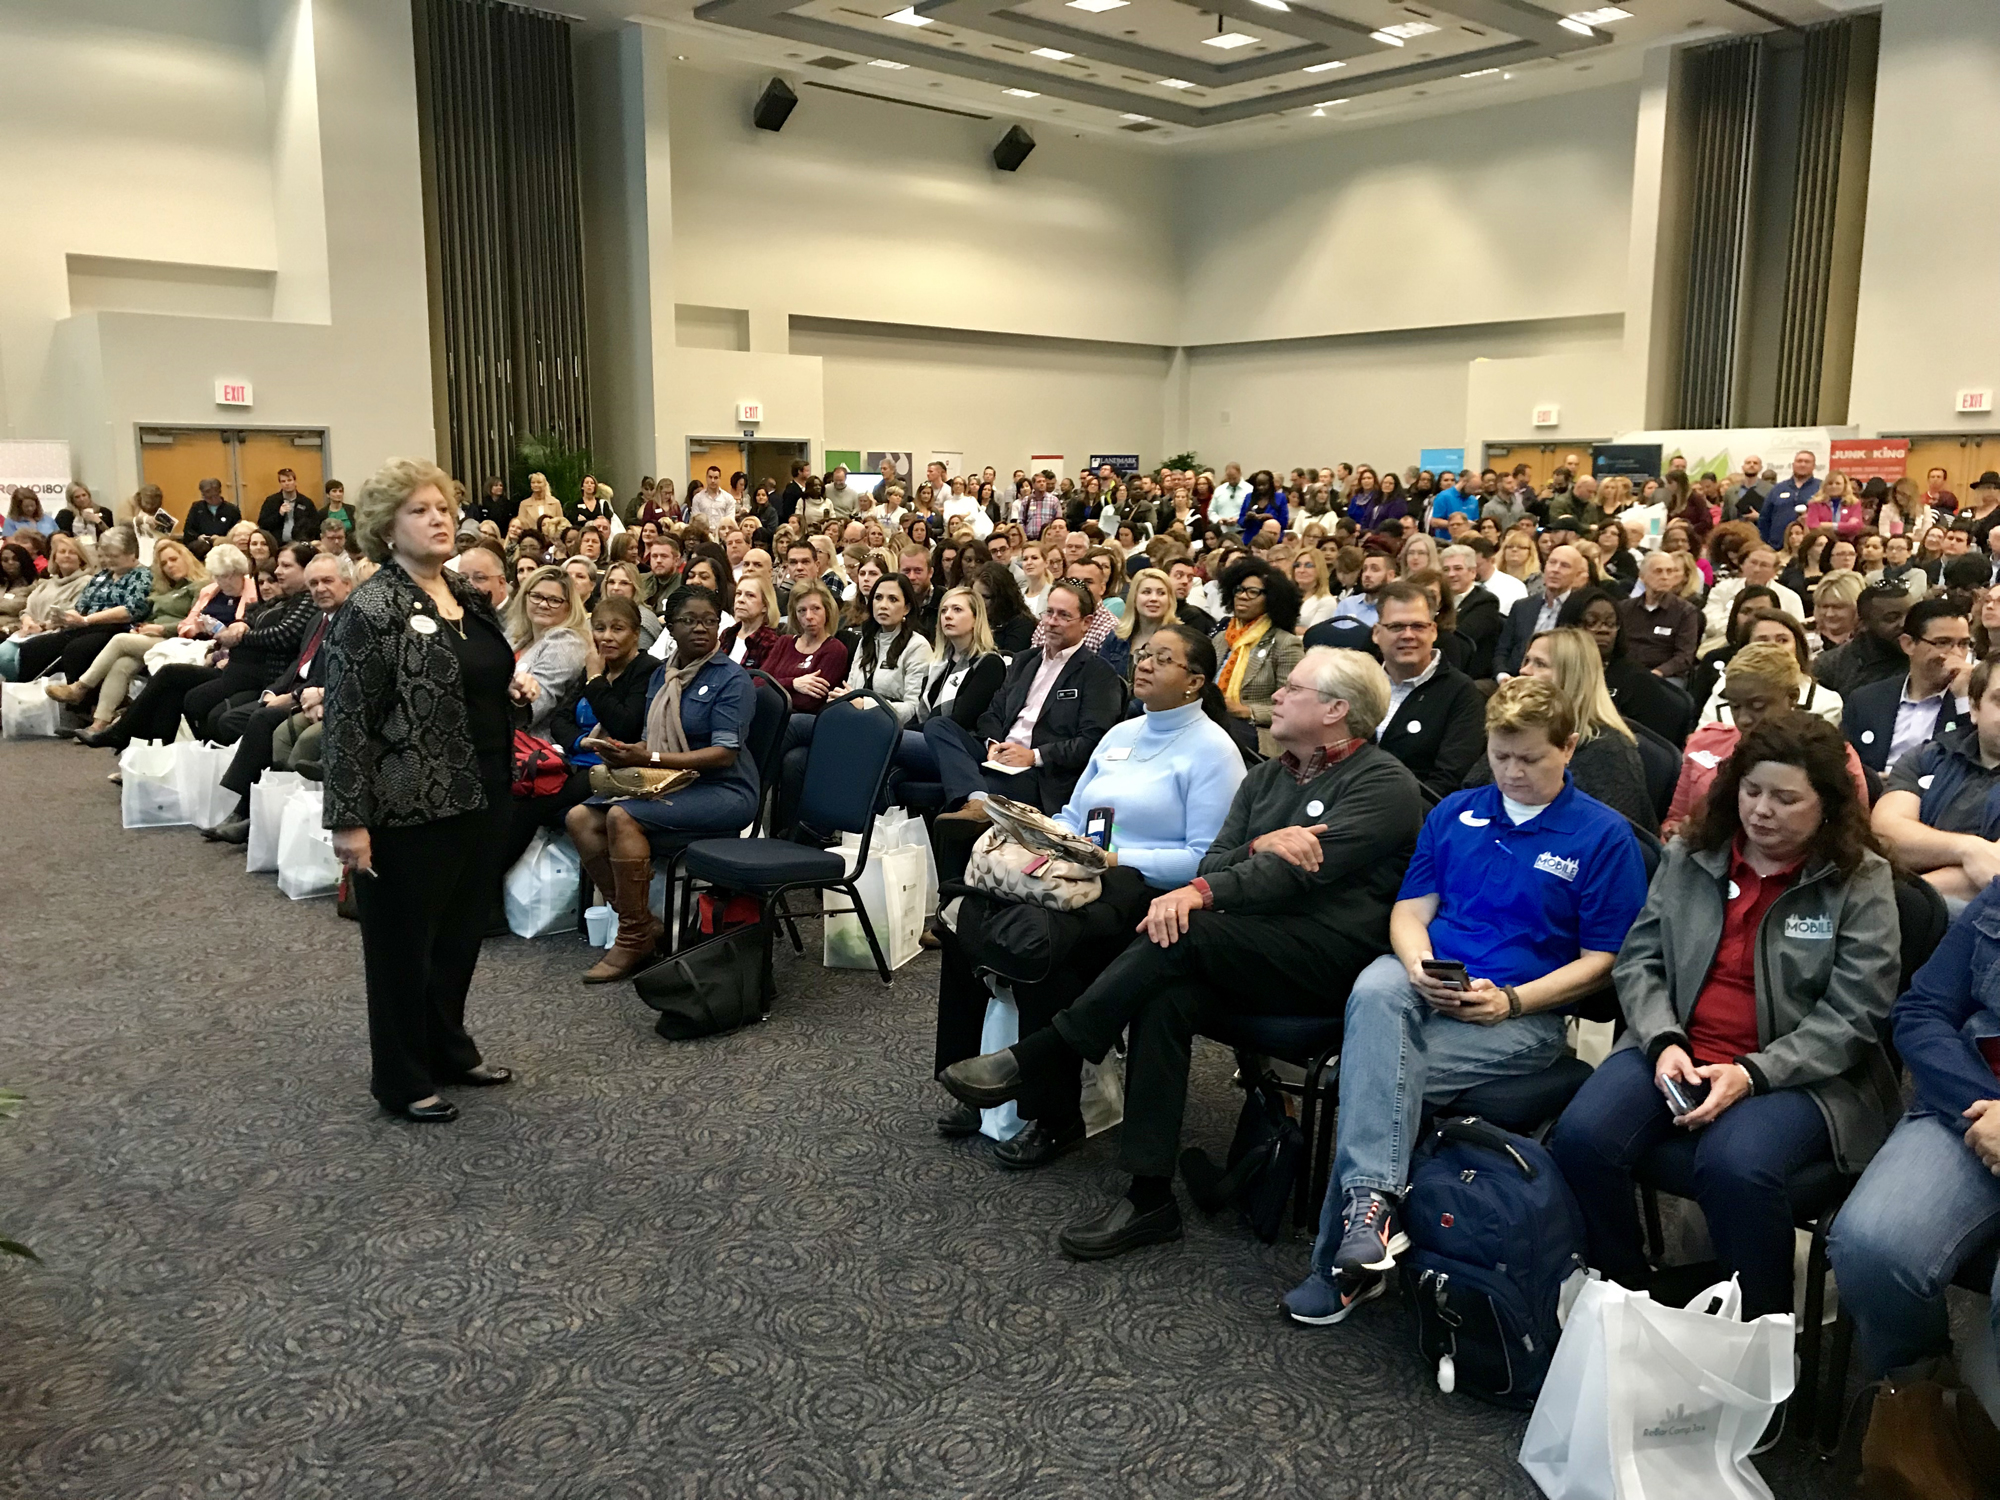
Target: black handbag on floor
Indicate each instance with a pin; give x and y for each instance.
(1265, 1159)
(713, 987)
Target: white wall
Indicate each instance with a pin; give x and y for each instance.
(1929, 317)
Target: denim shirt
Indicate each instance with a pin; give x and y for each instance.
(716, 709)
(1952, 1005)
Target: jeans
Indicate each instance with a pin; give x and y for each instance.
(1742, 1163)
(1397, 1056)
(1923, 1208)
(10, 657)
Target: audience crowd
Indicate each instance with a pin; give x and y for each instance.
(1402, 748)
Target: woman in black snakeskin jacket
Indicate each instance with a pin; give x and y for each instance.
(418, 770)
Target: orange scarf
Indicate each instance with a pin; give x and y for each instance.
(1239, 638)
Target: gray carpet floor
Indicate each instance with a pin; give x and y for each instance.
(738, 1267)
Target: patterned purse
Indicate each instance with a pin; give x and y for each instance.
(642, 782)
(1012, 872)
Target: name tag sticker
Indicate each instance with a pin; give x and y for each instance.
(1663, 630)
(1065, 692)
(702, 691)
(1123, 752)
(1315, 807)
(423, 624)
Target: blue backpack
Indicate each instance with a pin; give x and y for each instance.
(1494, 1234)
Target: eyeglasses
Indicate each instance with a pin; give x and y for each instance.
(1247, 592)
(1157, 658)
(552, 601)
(1955, 643)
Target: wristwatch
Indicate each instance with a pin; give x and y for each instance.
(656, 757)
(1513, 1002)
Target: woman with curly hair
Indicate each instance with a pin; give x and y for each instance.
(1260, 641)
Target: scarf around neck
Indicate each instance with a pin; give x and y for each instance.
(664, 734)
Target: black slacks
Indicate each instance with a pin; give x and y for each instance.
(526, 814)
(255, 726)
(72, 650)
(422, 915)
(1254, 965)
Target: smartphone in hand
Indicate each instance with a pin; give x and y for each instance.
(1684, 1098)
(1448, 973)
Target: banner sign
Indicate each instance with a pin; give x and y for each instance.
(1719, 451)
(1437, 460)
(40, 466)
(1871, 458)
(1121, 463)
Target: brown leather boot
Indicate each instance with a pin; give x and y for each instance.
(598, 868)
(639, 931)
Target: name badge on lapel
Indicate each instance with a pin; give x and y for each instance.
(1066, 692)
(423, 624)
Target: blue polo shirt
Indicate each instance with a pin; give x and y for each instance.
(1518, 901)
(1784, 505)
(1449, 501)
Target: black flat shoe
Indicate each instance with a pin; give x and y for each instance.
(959, 1121)
(1037, 1147)
(984, 1082)
(492, 1078)
(96, 739)
(1122, 1229)
(440, 1113)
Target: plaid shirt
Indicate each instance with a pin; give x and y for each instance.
(1038, 510)
(134, 591)
(1095, 633)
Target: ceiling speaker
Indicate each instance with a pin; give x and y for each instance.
(1013, 149)
(774, 105)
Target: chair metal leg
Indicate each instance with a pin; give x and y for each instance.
(1315, 1126)
(1656, 1236)
(867, 930)
(1805, 1402)
(791, 927)
(1833, 1409)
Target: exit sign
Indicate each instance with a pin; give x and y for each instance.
(1975, 401)
(1548, 416)
(232, 393)
(749, 411)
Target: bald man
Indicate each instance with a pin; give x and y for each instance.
(1563, 574)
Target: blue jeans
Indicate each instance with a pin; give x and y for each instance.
(10, 659)
(1924, 1207)
(1742, 1163)
(1398, 1055)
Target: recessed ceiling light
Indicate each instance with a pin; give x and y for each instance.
(1374, 36)
(1229, 41)
(1571, 23)
(1274, 4)
(1022, 93)
(1410, 29)
(1138, 119)
(1175, 83)
(1481, 73)
(1329, 104)
(1602, 15)
(883, 62)
(1052, 54)
(908, 16)
(1327, 67)
(1097, 5)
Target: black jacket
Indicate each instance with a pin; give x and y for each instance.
(305, 519)
(619, 706)
(1868, 720)
(1085, 701)
(276, 632)
(292, 680)
(1438, 732)
(1653, 701)
(397, 745)
(1516, 632)
(204, 520)
(1479, 626)
(1864, 660)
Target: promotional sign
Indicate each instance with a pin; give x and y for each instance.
(1633, 460)
(1121, 463)
(1870, 458)
(1053, 462)
(872, 464)
(1438, 460)
(953, 461)
(838, 457)
(1719, 451)
(41, 466)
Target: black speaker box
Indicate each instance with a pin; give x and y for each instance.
(1013, 149)
(774, 106)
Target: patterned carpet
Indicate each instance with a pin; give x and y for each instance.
(742, 1267)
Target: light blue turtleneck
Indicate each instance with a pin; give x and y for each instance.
(1169, 779)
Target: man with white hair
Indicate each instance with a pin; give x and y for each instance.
(1291, 903)
(1760, 566)
(1476, 608)
(1563, 572)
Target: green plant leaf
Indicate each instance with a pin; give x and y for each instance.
(556, 459)
(10, 1103)
(1185, 460)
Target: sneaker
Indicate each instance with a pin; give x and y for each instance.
(1321, 1301)
(1371, 1240)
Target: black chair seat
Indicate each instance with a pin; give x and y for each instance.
(1814, 1189)
(1524, 1104)
(1296, 1039)
(761, 864)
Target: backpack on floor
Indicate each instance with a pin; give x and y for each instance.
(1262, 1171)
(1494, 1234)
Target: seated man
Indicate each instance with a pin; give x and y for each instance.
(1529, 884)
(1890, 719)
(1930, 1200)
(1939, 814)
(1051, 709)
(1290, 903)
(1436, 724)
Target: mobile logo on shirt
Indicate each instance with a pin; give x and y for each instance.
(1556, 865)
(1812, 929)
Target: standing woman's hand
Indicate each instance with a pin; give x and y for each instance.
(355, 850)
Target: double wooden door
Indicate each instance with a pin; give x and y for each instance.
(245, 459)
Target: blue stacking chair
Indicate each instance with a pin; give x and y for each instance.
(846, 768)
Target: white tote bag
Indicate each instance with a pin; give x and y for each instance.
(541, 888)
(306, 864)
(178, 651)
(897, 829)
(150, 795)
(1647, 1402)
(198, 771)
(268, 796)
(1002, 1029)
(27, 712)
(892, 891)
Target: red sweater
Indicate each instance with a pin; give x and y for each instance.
(828, 659)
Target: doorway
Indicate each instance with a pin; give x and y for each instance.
(1962, 456)
(764, 461)
(1542, 459)
(245, 459)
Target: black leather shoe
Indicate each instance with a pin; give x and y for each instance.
(440, 1113)
(1122, 1229)
(1037, 1146)
(984, 1082)
(492, 1078)
(958, 1122)
(97, 739)
(229, 831)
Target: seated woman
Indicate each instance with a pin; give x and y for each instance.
(1169, 777)
(699, 705)
(1640, 696)
(1757, 977)
(583, 578)
(1764, 679)
(116, 598)
(1776, 628)
(549, 631)
(963, 675)
(1149, 606)
(18, 577)
(1007, 612)
(1606, 763)
(622, 581)
(809, 663)
(178, 578)
(750, 641)
(1262, 606)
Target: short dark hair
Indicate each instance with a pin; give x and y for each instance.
(1402, 591)
(1880, 593)
(1086, 598)
(1918, 620)
(693, 593)
(1967, 572)
(288, 474)
(302, 552)
(1981, 676)
(333, 484)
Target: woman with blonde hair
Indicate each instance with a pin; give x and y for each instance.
(540, 506)
(622, 580)
(1309, 573)
(1149, 604)
(178, 579)
(753, 634)
(1606, 763)
(1419, 553)
(549, 630)
(1518, 559)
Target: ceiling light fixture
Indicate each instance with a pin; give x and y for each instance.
(1374, 36)
(1481, 73)
(1601, 16)
(1274, 4)
(883, 62)
(1175, 83)
(1022, 93)
(1229, 41)
(1052, 54)
(1326, 67)
(908, 16)
(1402, 32)
(1095, 6)
(1138, 119)
(1571, 23)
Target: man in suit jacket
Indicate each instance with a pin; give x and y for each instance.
(1478, 610)
(1051, 710)
(1887, 720)
(253, 726)
(288, 515)
(1563, 573)
(1436, 724)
